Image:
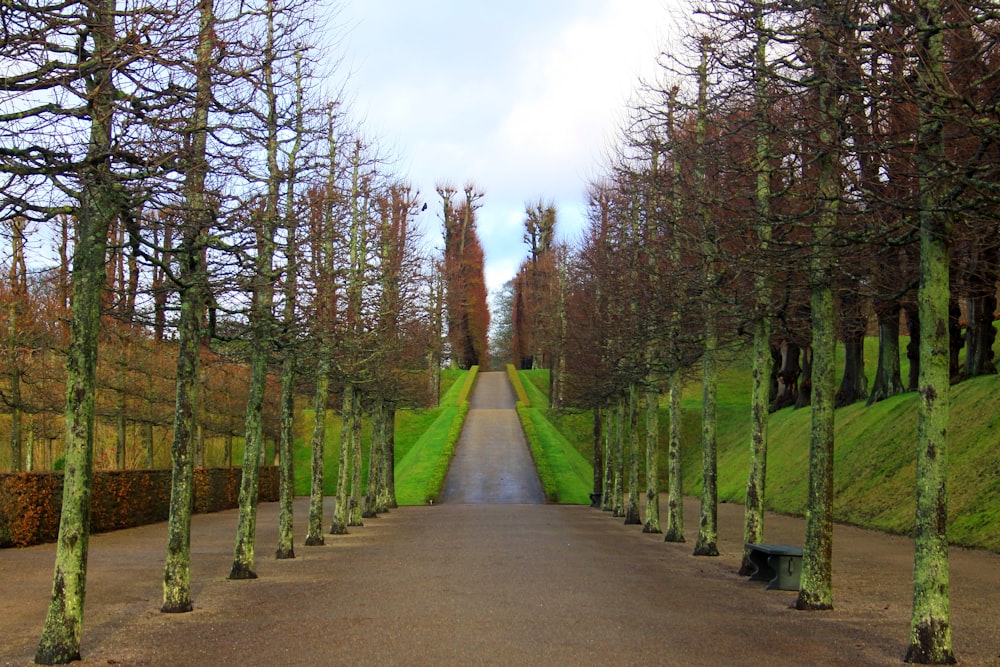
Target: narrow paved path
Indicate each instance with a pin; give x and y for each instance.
(492, 463)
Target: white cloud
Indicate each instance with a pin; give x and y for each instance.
(521, 97)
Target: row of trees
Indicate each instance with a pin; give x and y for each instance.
(227, 239)
(800, 176)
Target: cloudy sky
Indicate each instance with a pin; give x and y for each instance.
(521, 97)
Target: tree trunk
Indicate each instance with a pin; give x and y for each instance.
(341, 510)
(675, 472)
(60, 639)
(753, 515)
(121, 431)
(888, 380)
(652, 524)
(18, 298)
(314, 532)
(632, 517)
(804, 396)
(286, 464)
(608, 484)
(261, 324)
(816, 583)
(955, 338)
(706, 544)
(787, 375)
(598, 433)
(618, 503)
(387, 496)
(148, 444)
(375, 460)
(356, 463)
(913, 346)
(930, 628)
(854, 384)
(286, 467)
(930, 624)
(980, 333)
(177, 567)
(816, 589)
(246, 530)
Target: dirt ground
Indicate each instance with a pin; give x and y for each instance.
(492, 584)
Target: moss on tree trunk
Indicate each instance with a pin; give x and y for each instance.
(675, 473)
(314, 531)
(930, 623)
(98, 206)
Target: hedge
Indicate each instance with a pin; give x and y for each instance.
(30, 503)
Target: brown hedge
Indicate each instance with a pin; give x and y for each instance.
(30, 502)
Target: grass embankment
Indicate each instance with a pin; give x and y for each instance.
(875, 454)
(420, 472)
(424, 438)
(566, 476)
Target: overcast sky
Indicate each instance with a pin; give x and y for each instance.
(521, 97)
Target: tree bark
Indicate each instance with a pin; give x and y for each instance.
(618, 502)
(787, 375)
(314, 532)
(356, 465)
(707, 542)
(816, 584)
(376, 465)
(888, 379)
(854, 384)
(632, 517)
(387, 495)
(930, 624)
(980, 333)
(598, 461)
(675, 472)
(261, 319)
(341, 510)
(98, 206)
(753, 516)
(607, 484)
(652, 396)
(913, 346)
(286, 468)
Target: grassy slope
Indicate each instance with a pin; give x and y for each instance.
(566, 475)
(875, 459)
(411, 427)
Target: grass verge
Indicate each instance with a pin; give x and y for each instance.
(565, 474)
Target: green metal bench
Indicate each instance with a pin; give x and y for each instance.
(778, 564)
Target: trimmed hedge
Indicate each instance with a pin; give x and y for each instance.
(30, 503)
(515, 382)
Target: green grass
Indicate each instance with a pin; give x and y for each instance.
(536, 387)
(875, 453)
(420, 473)
(566, 475)
(425, 440)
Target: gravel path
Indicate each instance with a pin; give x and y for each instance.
(492, 584)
